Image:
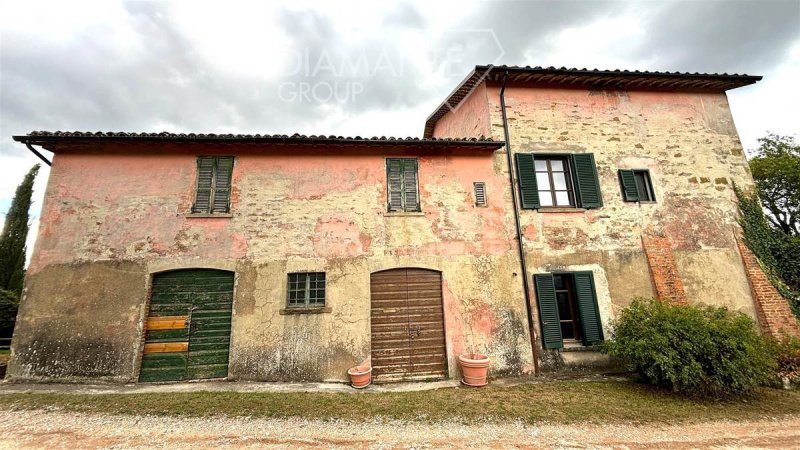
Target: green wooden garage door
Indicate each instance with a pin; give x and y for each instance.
(188, 326)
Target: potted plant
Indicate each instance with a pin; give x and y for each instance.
(475, 369)
(360, 376)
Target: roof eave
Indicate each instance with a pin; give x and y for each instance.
(51, 142)
(594, 79)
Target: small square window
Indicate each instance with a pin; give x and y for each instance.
(637, 185)
(306, 290)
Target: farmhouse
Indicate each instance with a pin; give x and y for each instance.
(538, 203)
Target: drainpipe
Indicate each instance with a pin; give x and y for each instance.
(36, 152)
(520, 244)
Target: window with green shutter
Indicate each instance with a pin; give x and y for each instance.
(560, 181)
(526, 176)
(568, 309)
(402, 183)
(213, 192)
(548, 310)
(636, 185)
(586, 182)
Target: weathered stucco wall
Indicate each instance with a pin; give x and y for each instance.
(113, 216)
(690, 146)
(80, 321)
(292, 211)
(470, 118)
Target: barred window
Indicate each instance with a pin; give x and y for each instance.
(306, 289)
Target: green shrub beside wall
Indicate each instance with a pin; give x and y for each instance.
(689, 349)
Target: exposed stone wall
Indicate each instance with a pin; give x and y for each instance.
(293, 210)
(689, 144)
(774, 314)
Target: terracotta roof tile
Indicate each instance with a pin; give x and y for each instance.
(49, 138)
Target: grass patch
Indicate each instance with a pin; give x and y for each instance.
(5, 355)
(555, 402)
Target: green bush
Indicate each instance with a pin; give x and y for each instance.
(693, 350)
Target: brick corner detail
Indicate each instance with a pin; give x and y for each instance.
(663, 268)
(773, 311)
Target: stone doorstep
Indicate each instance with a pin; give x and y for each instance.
(267, 386)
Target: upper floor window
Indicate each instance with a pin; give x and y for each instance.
(636, 185)
(402, 184)
(306, 290)
(554, 181)
(560, 181)
(213, 192)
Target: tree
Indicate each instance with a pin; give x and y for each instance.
(15, 232)
(776, 169)
(9, 304)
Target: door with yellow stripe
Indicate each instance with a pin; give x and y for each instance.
(188, 326)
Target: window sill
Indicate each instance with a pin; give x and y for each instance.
(561, 210)
(578, 347)
(208, 216)
(309, 310)
(404, 214)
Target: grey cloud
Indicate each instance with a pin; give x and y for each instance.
(378, 65)
(714, 36)
(520, 26)
(92, 86)
(86, 83)
(404, 15)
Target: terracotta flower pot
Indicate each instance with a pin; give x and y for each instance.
(360, 376)
(475, 368)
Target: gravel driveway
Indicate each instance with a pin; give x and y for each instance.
(55, 429)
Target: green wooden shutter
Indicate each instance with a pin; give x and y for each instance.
(394, 182)
(586, 180)
(410, 192)
(591, 326)
(628, 181)
(205, 176)
(222, 184)
(526, 176)
(548, 310)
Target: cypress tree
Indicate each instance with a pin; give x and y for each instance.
(15, 232)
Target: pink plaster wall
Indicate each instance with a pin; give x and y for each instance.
(470, 118)
(128, 206)
(132, 203)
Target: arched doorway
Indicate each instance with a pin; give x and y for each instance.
(188, 327)
(407, 325)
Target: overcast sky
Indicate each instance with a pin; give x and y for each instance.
(362, 68)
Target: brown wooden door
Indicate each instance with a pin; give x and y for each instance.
(407, 325)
